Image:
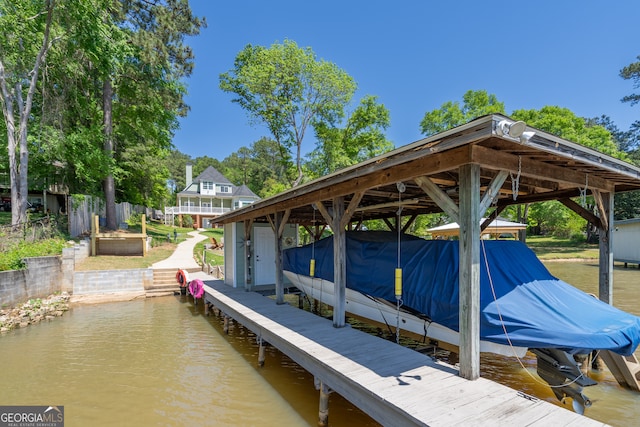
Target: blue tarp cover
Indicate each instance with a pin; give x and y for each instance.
(537, 309)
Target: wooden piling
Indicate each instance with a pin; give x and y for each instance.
(323, 407)
(260, 352)
(225, 326)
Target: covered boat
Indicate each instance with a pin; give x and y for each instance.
(522, 305)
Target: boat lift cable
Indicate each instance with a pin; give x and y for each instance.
(312, 261)
(515, 180)
(504, 328)
(398, 275)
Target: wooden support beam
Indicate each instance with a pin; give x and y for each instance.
(492, 191)
(248, 225)
(324, 212)
(351, 209)
(391, 226)
(605, 286)
(285, 218)
(278, 220)
(372, 176)
(469, 271)
(339, 263)
(584, 213)
(602, 208)
(491, 217)
(338, 218)
(440, 197)
(408, 224)
(502, 160)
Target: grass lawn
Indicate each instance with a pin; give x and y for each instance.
(213, 257)
(552, 248)
(5, 218)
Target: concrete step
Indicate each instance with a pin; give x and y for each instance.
(157, 290)
(167, 276)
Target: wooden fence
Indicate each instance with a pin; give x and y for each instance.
(81, 208)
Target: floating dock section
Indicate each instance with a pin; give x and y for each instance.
(394, 385)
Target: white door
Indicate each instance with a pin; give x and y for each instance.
(265, 256)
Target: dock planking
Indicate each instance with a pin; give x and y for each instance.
(392, 384)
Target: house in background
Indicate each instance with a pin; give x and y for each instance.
(626, 235)
(208, 196)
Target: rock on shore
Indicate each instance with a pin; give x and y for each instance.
(34, 311)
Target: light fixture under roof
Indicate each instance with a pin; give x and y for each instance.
(514, 130)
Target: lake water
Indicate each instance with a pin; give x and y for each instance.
(160, 361)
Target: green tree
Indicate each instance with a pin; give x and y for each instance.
(260, 167)
(626, 205)
(632, 72)
(287, 89)
(361, 138)
(475, 103)
(565, 124)
(176, 163)
(552, 218)
(26, 33)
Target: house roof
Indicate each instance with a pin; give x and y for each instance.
(211, 174)
(539, 167)
(244, 191)
(497, 226)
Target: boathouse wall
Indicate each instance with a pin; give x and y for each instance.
(626, 236)
(261, 245)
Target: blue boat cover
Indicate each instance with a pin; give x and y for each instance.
(537, 309)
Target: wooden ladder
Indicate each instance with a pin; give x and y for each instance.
(626, 369)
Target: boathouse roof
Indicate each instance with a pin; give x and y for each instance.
(540, 166)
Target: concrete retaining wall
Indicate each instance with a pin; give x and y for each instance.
(42, 277)
(112, 281)
(47, 275)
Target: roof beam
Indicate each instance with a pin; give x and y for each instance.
(504, 161)
(338, 186)
(440, 197)
(584, 213)
(492, 191)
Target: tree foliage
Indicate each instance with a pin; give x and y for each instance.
(599, 134)
(361, 138)
(475, 103)
(632, 72)
(26, 30)
(260, 167)
(110, 90)
(565, 124)
(286, 88)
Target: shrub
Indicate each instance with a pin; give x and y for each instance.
(13, 259)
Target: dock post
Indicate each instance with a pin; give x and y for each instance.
(260, 352)
(225, 325)
(323, 407)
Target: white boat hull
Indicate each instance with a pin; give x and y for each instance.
(379, 311)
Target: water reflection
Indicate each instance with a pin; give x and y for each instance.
(158, 361)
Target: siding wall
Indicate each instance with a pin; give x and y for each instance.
(626, 236)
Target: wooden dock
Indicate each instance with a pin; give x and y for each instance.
(394, 385)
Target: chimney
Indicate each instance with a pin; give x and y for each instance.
(189, 176)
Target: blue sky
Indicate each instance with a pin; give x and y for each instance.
(415, 55)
